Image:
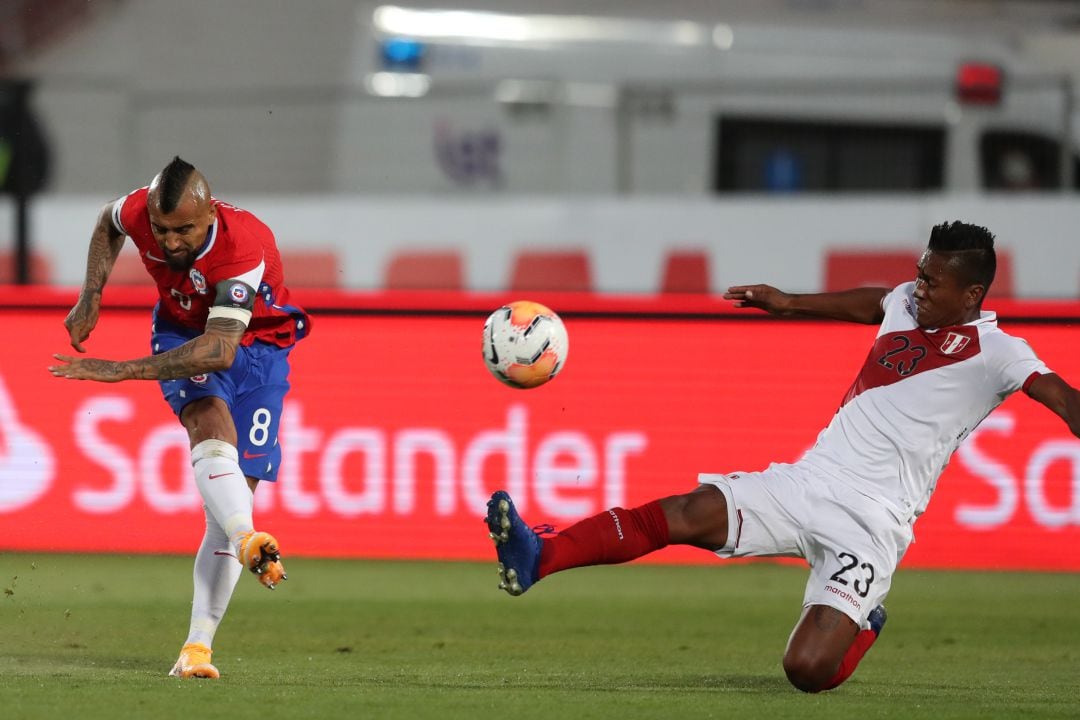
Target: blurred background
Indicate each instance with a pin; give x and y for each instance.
(616, 147)
(623, 162)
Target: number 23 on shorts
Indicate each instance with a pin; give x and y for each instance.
(852, 572)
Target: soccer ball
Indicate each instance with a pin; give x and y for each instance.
(525, 344)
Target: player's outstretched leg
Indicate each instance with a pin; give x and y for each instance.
(259, 554)
(876, 621)
(194, 662)
(616, 535)
(517, 546)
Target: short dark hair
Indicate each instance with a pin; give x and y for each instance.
(971, 251)
(173, 182)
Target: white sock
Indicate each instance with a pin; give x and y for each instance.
(223, 488)
(216, 573)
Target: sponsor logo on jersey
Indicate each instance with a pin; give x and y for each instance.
(198, 281)
(200, 379)
(239, 293)
(954, 343)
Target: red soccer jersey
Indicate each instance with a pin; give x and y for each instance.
(238, 246)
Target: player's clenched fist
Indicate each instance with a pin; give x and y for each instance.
(80, 323)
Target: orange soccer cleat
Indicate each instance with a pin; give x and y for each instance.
(194, 662)
(259, 554)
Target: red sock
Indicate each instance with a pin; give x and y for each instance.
(613, 536)
(855, 653)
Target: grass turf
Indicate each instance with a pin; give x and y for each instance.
(92, 637)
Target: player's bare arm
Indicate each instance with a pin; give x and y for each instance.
(105, 245)
(1062, 398)
(860, 305)
(212, 351)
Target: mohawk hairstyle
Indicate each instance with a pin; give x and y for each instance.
(174, 179)
(970, 249)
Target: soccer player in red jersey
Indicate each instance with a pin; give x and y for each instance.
(938, 367)
(223, 327)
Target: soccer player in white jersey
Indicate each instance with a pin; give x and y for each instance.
(938, 366)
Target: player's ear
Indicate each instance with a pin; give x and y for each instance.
(974, 295)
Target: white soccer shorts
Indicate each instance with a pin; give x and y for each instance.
(852, 543)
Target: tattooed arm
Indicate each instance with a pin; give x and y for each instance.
(105, 244)
(214, 350)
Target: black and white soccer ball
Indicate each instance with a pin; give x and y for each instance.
(525, 344)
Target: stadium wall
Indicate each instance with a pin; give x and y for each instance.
(395, 434)
(626, 244)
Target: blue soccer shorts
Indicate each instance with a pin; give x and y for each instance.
(253, 388)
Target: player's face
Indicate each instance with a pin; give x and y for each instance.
(942, 298)
(182, 232)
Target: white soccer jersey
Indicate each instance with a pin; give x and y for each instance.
(918, 395)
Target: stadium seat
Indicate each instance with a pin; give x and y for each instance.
(311, 268)
(425, 270)
(686, 271)
(845, 269)
(129, 268)
(888, 268)
(1003, 279)
(40, 268)
(303, 268)
(566, 270)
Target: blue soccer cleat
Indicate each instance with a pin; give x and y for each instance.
(517, 545)
(877, 618)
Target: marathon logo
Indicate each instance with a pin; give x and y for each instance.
(618, 525)
(844, 594)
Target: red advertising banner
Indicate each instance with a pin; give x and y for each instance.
(394, 434)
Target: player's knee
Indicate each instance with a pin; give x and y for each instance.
(697, 518)
(209, 449)
(208, 419)
(807, 672)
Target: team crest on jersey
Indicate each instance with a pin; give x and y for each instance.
(954, 343)
(239, 293)
(200, 379)
(198, 281)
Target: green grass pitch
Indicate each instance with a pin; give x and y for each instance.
(92, 637)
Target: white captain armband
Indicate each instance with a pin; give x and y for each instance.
(117, 208)
(233, 299)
